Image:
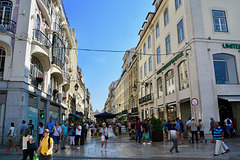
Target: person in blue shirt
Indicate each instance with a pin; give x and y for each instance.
(212, 127)
(64, 134)
(71, 131)
(49, 126)
(218, 135)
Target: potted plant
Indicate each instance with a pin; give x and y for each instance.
(157, 134)
(39, 79)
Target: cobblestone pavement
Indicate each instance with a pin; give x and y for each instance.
(123, 148)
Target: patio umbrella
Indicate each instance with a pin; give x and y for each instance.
(105, 115)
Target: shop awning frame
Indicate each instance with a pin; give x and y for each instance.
(71, 114)
(230, 98)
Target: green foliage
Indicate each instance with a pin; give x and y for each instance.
(157, 123)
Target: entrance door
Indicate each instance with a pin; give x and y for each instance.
(171, 112)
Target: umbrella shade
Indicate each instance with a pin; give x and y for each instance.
(105, 115)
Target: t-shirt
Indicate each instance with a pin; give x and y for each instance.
(12, 131)
(77, 131)
(193, 125)
(173, 134)
(44, 144)
(146, 127)
(72, 131)
(64, 129)
(41, 130)
(24, 127)
(178, 125)
(57, 131)
(138, 125)
(87, 126)
(105, 131)
(50, 125)
(202, 128)
(31, 126)
(164, 124)
(25, 140)
(132, 126)
(211, 124)
(218, 133)
(226, 121)
(169, 126)
(182, 127)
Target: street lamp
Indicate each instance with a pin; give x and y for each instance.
(76, 87)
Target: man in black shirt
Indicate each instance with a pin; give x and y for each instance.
(145, 132)
(31, 126)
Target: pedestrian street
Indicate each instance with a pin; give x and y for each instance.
(123, 148)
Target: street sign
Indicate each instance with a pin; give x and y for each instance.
(194, 101)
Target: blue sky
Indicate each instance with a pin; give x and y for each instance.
(105, 25)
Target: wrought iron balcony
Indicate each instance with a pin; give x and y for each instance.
(146, 98)
(58, 28)
(41, 38)
(67, 76)
(56, 61)
(7, 25)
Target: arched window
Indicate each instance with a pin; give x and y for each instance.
(36, 69)
(160, 87)
(5, 11)
(166, 19)
(170, 84)
(183, 75)
(225, 69)
(2, 62)
(157, 30)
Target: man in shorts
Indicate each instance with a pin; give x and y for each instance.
(78, 135)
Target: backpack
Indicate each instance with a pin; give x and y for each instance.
(48, 141)
(228, 121)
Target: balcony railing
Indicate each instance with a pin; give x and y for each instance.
(57, 27)
(56, 61)
(67, 76)
(145, 99)
(41, 38)
(7, 25)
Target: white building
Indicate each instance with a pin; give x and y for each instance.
(190, 49)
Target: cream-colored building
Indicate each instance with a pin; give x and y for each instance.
(190, 49)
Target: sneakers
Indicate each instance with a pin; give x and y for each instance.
(170, 151)
(101, 149)
(215, 155)
(77, 148)
(177, 151)
(56, 151)
(144, 143)
(149, 143)
(228, 150)
(105, 150)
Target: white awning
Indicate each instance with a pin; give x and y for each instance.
(172, 104)
(230, 98)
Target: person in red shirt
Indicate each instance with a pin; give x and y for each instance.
(138, 128)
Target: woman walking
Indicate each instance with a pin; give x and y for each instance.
(40, 132)
(27, 137)
(46, 146)
(56, 135)
(11, 135)
(104, 132)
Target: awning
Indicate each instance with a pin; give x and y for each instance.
(172, 104)
(230, 98)
(75, 116)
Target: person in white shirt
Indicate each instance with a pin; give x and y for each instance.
(201, 130)
(11, 134)
(40, 131)
(27, 137)
(104, 132)
(228, 126)
(87, 126)
(57, 130)
(78, 135)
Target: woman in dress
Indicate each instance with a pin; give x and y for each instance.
(40, 132)
(11, 137)
(27, 137)
(56, 135)
(110, 132)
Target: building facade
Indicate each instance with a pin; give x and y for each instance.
(189, 61)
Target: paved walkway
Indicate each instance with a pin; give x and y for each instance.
(123, 148)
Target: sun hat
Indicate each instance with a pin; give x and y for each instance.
(46, 131)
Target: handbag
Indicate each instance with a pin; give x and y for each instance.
(32, 146)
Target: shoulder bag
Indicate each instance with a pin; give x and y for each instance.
(32, 146)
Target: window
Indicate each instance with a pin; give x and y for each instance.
(149, 41)
(36, 69)
(166, 20)
(158, 55)
(141, 92)
(178, 3)
(141, 72)
(180, 31)
(144, 48)
(2, 62)
(168, 45)
(157, 30)
(145, 69)
(150, 63)
(140, 54)
(225, 69)
(37, 23)
(183, 75)
(5, 11)
(219, 21)
(160, 87)
(170, 86)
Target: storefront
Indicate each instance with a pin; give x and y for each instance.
(171, 112)
(54, 112)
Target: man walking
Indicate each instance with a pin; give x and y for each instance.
(78, 135)
(64, 134)
(218, 135)
(193, 127)
(49, 126)
(24, 127)
(138, 127)
(212, 127)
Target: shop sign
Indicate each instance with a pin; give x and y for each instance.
(230, 46)
(194, 101)
(170, 62)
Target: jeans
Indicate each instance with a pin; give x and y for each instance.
(63, 141)
(27, 152)
(175, 145)
(150, 135)
(194, 132)
(138, 134)
(219, 147)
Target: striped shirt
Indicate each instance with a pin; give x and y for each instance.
(218, 133)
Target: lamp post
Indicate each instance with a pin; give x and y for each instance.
(76, 89)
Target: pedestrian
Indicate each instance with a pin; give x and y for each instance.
(145, 127)
(201, 130)
(40, 131)
(218, 137)
(228, 125)
(27, 138)
(104, 131)
(193, 127)
(49, 126)
(175, 137)
(24, 127)
(150, 130)
(64, 134)
(129, 127)
(212, 127)
(92, 128)
(168, 128)
(57, 135)
(31, 126)
(78, 135)
(138, 127)
(133, 131)
(181, 128)
(188, 130)
(86, 132)
(46, 146)
(11, 136)
(165, 129)
(72, 131)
